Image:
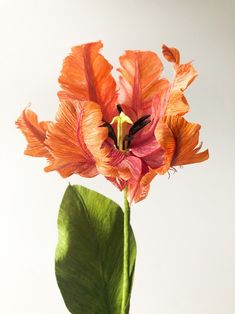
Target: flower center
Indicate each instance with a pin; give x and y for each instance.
(123, 139)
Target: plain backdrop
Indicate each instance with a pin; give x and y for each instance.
(185, 229)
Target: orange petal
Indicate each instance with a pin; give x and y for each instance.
(186, 136)
(148, 177)
(140, 192)
(140, 82)
(91, 131)
(86, 76)
(171, 54)
(166, 139)
(69, 138)
(114, 165)
(35, 133)
(184, 76)
(144, 184)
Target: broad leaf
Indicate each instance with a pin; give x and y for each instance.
(89, 254)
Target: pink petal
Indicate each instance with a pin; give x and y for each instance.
(137, 191)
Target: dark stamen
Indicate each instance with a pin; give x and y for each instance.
(119, 109)
(111, 132)
(127, 139)
(142, 118)
(139, 124)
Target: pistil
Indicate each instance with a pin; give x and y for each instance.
(122, 121)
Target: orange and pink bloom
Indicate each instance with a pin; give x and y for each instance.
(128, 131)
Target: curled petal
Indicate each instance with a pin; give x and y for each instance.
(69, 138)
(86, 76)
(186, 137)
(184, 76)
(35, 133)
(171, 54)
(141, 192)
(139, 81)
(148, 177)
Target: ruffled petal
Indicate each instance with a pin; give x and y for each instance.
(70, 139)
(35, 133)
(186, 137)
(140, 82)
(171, 54)
(184, 74)
(86, 76)
(148, 177)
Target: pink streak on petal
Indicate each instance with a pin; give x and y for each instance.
(115, 155)
(135, 189)
(157, 110)
(134, 164)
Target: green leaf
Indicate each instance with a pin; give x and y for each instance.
(89, 254)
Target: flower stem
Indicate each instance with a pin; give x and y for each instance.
(126, 258)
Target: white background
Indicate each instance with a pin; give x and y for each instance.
(185, 229)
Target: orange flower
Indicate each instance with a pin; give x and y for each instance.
(130, 133)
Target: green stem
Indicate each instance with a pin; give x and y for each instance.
(126, 253)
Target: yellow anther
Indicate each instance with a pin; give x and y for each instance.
(122, 120)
